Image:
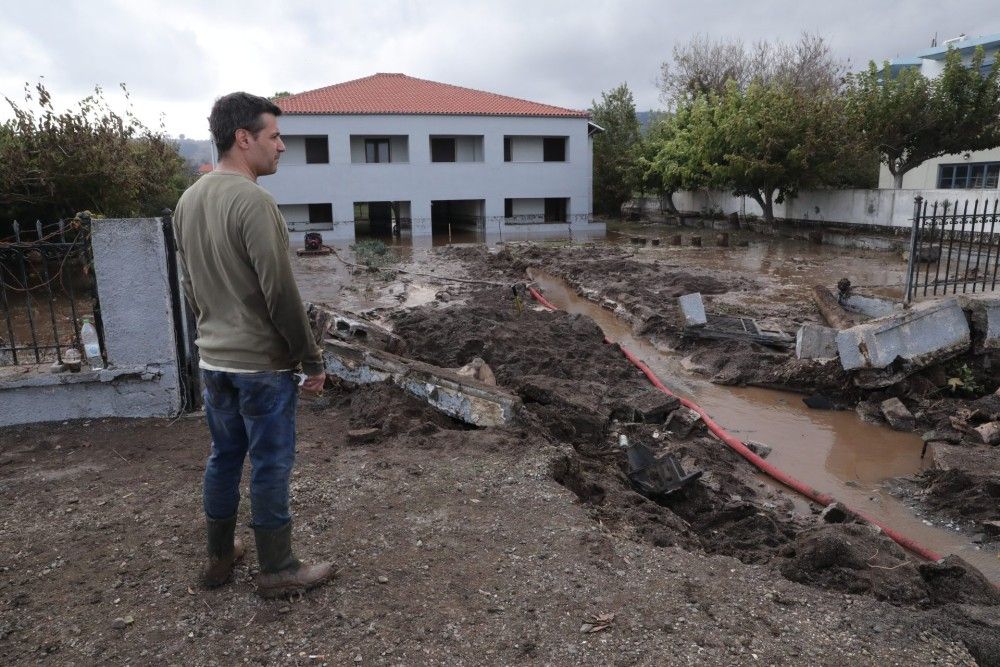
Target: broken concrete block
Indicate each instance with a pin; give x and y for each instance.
(867, 305)
(984, 313)
(989, 432)
(693, 309)
(814, 341)
(835, 513)
(924, 334)
(899, 418)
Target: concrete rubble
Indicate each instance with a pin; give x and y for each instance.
(908, 340)
(693, 309)
(457, 396)
(814, 341)
(899, 418)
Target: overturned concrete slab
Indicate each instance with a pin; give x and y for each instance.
(814, 341)
(908, 340)
(459, 397)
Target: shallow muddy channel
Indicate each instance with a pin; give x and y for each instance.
(833, 451)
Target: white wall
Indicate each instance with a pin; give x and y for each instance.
(342, 183)
(925, 176)
(883, 208)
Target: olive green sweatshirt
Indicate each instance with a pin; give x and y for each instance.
(232, 243)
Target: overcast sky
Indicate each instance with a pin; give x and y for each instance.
(176, 57)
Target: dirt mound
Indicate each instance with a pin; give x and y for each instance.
(858, 558)
(394, 412)
(742, 363)
(517, 345)
(967, 493)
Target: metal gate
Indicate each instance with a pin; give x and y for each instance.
(184, 323)
(954, 248)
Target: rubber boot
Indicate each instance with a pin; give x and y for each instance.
(223, 551)
(281, 573)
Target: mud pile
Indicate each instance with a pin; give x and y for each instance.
(576, 390)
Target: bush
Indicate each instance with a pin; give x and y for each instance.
(55, 164)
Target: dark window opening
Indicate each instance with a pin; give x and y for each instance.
(554, 149)
(317, 150)
(377, 150)
(442, 149)
(975, 176)
(507, 157)
(320, 212)
(508, 208)
(555, 209)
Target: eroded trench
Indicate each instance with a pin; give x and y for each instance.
(833, 451)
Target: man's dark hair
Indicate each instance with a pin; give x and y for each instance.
(238, 111)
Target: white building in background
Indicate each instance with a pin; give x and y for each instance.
(392, 151)
(975, 170)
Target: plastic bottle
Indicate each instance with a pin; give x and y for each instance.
(91, 344)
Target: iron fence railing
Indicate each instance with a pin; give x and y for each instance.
(46, 288)
(954, 247)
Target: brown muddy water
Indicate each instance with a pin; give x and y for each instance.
(832, 451)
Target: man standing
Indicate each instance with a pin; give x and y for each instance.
(252, 335)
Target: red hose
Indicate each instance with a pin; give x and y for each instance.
(737, 445)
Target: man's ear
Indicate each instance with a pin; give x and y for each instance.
(242, 137)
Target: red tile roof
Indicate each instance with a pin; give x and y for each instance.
(400, 94)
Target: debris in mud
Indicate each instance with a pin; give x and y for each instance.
(721, 327)
(682, 421)
(457, 396)
(835, 513)
(655, 475)
(897, 415)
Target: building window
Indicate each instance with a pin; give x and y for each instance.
(555, 209)
(317, 150)
(507, 153)
(320, 212)
(442, 149)
(508, 208)
(554, 149)
(377, 150)
(976, 175)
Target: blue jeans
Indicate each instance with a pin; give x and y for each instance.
(255, 413)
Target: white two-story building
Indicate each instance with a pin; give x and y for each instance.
(392, 152)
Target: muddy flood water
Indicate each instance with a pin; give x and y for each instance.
(833, 451)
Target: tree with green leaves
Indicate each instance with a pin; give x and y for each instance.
(54, 164)
(616, 171)
(908, 118)
(766, 141)
(670, 157)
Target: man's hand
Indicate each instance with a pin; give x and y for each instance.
(314, 383)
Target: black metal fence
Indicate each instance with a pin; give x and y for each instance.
(46, 287)
(954, 248)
